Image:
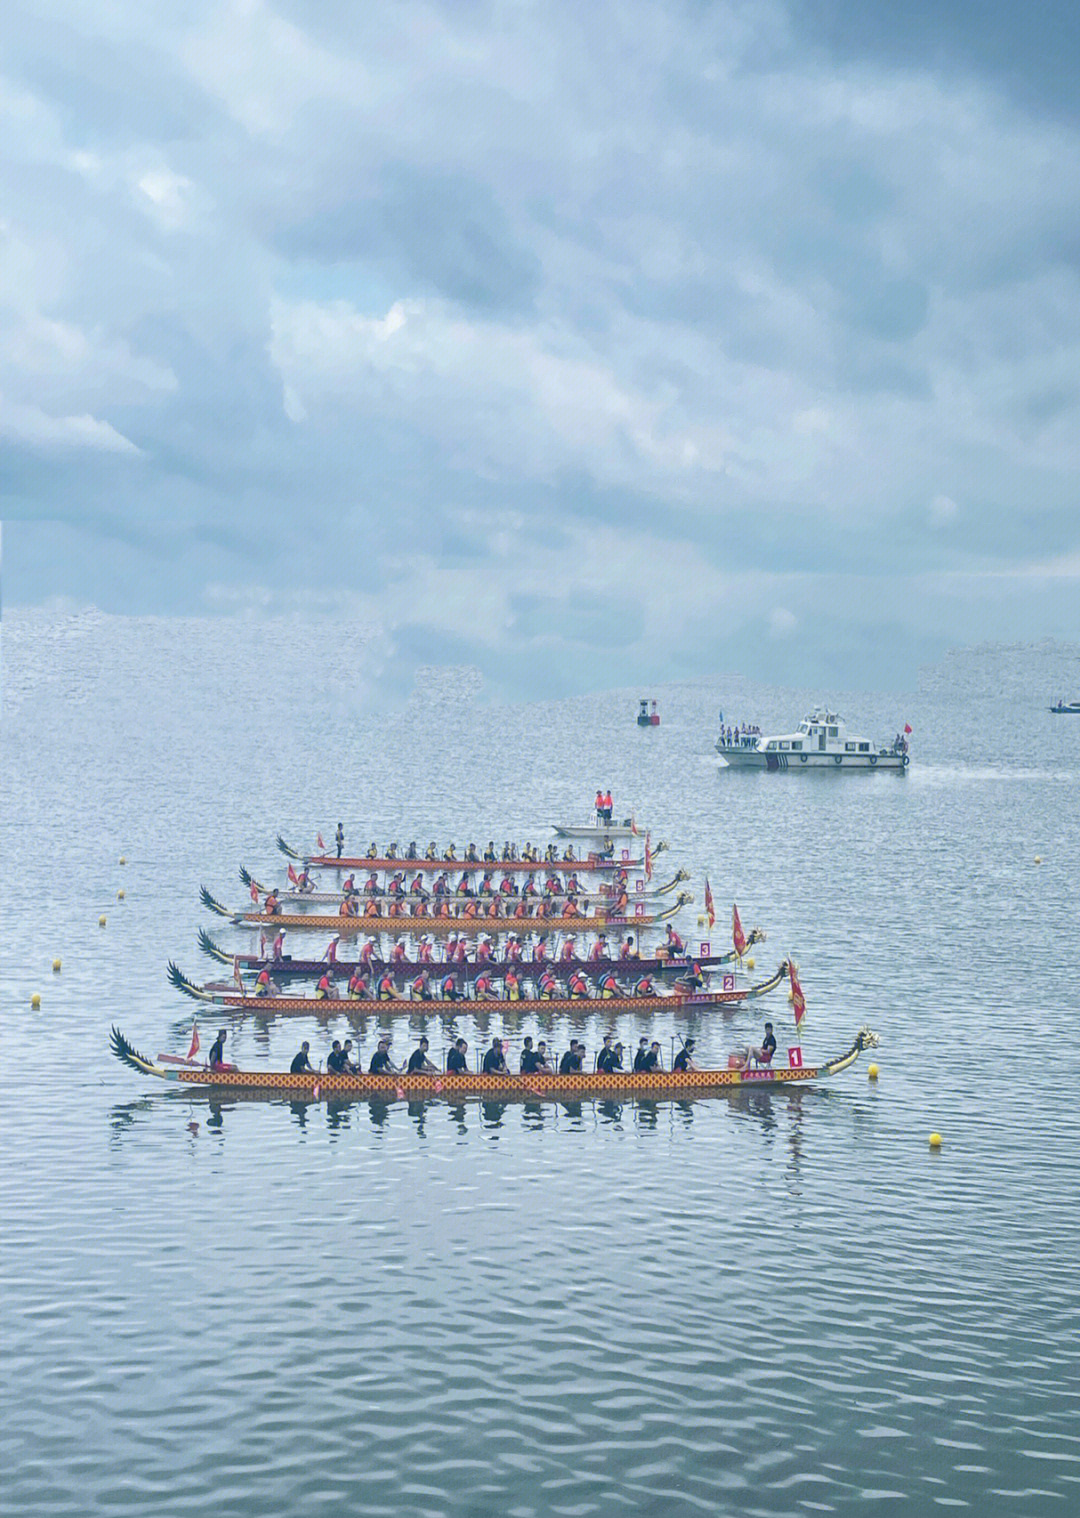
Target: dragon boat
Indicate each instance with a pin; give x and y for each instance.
(290, 967)
(600, 897)
(650, 1085)
(224, 995)
(378, 922)
(595, 860)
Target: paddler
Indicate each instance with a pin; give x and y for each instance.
(628, 950)
(609, 987)
(578, 986)
(264, 986)
(397, 953)
(330, 953)
(513, 949)
(642, 1054)
(483, 988)
(324, 989)
(421, 987)
(471, 856)
(599, 950)
(427, 954)
(216, 1057)
(573, 1059)
(571, 908)
(448, 988)
(367, 953)
(372, 851)
(337, 1059)
(674, 944)
(412, 852)
(483, 949)
(486, 887)
(432, 850)
(569, 950)
(540, 950)
(511, 984)
(528, 1056)
(371, 884)
(551, 854)
(386, 987)
(543, 1064)
(349, 908)
(610, 1057)
(272, 904)
(419, 1064)
(684, 1060)
(450, 852)
(381, 1063)
(507, 887)
(547, 986)
(391, 851)
(277, 953)
(358, 986)
(645, 987)
(348, 885)
(494, 907)
(456, 1062)
(490, 855)
(568, 854)
(530, 888)
(464, 887)
(652, 1059)
(349, 1068)
(373, 908)
(495, 1059)
(304, 883)
(521, 910)
(396, 886)
(301, 1064)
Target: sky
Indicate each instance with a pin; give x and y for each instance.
(584, 345)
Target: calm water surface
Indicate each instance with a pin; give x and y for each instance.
(773, 1305)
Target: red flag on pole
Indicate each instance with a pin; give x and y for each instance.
(798, 1000)
(293, 877)
(738, 937)
(907, 727)
(710, 909)
(194, 1041)
(322, 846)
(634, 826)
(254, 893)
(648, 857)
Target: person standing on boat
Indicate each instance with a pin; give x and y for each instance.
(301, 1064)
(495, 1059)
(339, 840)
(277, 953)
(599, 806)
(331, 951)
(609, 807)
(419, 1064)
(456, 1062)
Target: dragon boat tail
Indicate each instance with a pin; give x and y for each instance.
(649, 1086)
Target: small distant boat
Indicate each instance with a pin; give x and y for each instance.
(822, 741)
(1067, 708)
(647, 719)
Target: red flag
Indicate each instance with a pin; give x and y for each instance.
(648, 857)
(798, 1000)
(293, 877)
(239, 979)
(907, 727)
(322, 846)
(254, 893)
(194, 1041)
(710, 909)
(634, 826)
(738, 937)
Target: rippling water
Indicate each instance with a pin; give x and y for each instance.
(766, 1305)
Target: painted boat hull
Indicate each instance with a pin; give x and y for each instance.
(758, 759)
(591, 862)
(614, 830)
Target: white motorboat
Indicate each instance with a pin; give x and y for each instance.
(822, 741)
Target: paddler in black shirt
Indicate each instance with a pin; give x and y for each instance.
(495, 1060)
(337, 1059)
(381, 1063)
(684, 1060)
(419, 1064)
(642, 1054)
(456, 1063)
(528, 1057)
(652, 1058)
(301, 1065)
(570, 1064)
(610, 1057)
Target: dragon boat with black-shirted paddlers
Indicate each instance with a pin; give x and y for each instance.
(288, 966)
(391, 991)
(492, 918)
(598, 859)
(651, 1085)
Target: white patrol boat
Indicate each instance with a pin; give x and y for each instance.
(821, 742)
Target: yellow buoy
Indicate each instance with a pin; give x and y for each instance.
(56, 965)
(750, 964)
(701, 922)
(35, 1000)
(873, 1072)
(101, 921)
(122, 859)
(120, 895)
(935, 1141)
(1038, 859)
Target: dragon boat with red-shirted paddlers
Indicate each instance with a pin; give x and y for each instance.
(474, 917)
(598, 859)
(554, 887)
(650, 1085)
(285, 967)
(390, 991)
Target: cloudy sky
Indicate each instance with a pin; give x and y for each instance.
(586, 344)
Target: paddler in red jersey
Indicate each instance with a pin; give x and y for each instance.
(571, 907)
(330, 953)
(367, 953)
(264, 986)
(372, 909)
(348, 885)
(358, 987)
(513, 949)
(448, 988)
(579, 987)
(272, 904)
(278, 951)
(427, 956)
(540, 952)
(324, 989)
(529, 888)
(674, 944)
(546, 986)
(371, 885)
(464, 887)
(397, 885)
(645, 987)
(569, 950)
(421, 988)
(511, 984)
(598, 806)
(397, 954)
(628, 951)
(483, 950)
(483, 987)
(487, 885)
(494, 907)
(599, 951)
(507, 887)
(386, 987)
(609, 987)
(521, 910)
(461, 953)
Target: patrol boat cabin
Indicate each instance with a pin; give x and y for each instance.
(822, 741)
